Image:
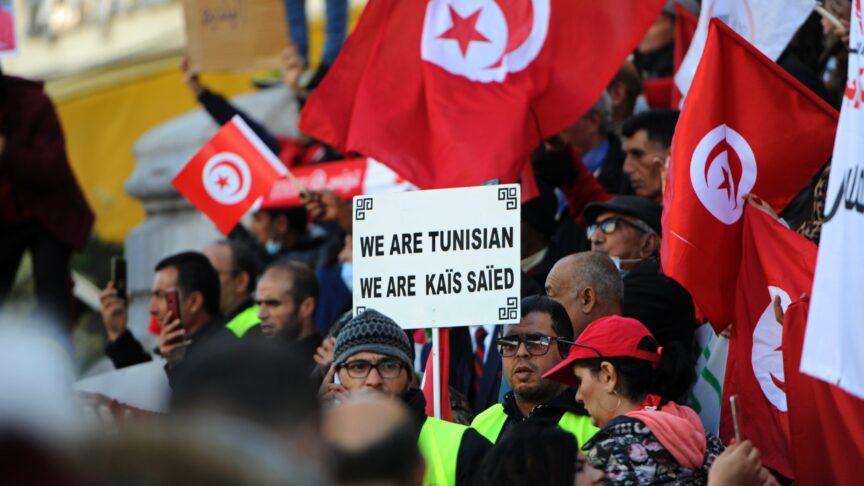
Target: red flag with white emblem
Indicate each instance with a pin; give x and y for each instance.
(826, 433)
(229, 175)
(775, 261)
(458, 92)
(747, 127)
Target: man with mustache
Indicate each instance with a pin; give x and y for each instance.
(528, 350)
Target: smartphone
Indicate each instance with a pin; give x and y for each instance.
(172, 298)
(118, 276)
(736, 417)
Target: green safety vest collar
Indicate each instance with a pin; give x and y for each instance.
(491, 421)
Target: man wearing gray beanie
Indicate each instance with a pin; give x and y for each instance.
(373, 353)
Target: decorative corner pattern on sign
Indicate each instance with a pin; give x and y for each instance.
(508, 194)
(363, 205)
(509, 311)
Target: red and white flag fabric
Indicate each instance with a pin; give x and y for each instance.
(825, 427)
(833, 350)
(747, 127)
(429, 377)
(8, 39)
(767, 24)
(775, 262)
(347, 178)
(686, 23)
(229, 175)
(459, 92)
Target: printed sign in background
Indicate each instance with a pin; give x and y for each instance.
(8, 44)
(439, 258)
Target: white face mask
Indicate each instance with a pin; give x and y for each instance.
(348, 275)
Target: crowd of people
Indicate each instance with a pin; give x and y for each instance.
(274, 380)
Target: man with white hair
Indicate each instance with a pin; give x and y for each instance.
(600, 147)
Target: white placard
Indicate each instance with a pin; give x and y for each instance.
(439, 258)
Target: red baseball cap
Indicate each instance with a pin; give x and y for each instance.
(607, 337)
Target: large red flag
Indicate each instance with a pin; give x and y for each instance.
(457, 93)
(229, 175)
(825, 427)
(747, 127)
(775, 261)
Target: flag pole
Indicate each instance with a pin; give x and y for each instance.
(436, 372)
(297, 184)
(828, 16)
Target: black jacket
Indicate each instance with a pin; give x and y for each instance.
(548, 413)
(472, 449)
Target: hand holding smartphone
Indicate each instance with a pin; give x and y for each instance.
(172, 298)
(118, 276)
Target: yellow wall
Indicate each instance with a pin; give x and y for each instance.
(105, 112)
(101, 128)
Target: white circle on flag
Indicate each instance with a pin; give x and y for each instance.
(767, 355)
(714, 180)
(471, 38)
(227, 178)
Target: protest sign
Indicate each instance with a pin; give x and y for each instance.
(234, 35)
(8, 43)
(439, 258)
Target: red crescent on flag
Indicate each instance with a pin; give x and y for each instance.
(235, 169)
(519, 15)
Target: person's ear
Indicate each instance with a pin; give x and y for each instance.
(650, 245)
(608, 376)
(307, 307)
(587, 300)
(195, 302)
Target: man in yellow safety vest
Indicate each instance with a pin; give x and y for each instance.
(373, 353)
(528, 350)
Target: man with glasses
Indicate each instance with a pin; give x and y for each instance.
(627, 228)
(528, 350)
(372, 353)
(238, 269)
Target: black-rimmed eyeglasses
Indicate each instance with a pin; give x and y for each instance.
(535, 344)
(608, 226)
(386, 368)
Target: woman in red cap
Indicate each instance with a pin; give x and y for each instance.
(626, 382)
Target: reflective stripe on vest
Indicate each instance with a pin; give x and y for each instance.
(244, 321)
(490, 422)
(439, 443)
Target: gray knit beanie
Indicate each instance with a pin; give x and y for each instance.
(373, 332)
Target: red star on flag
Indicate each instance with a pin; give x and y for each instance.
(464, 30)
(222, 181)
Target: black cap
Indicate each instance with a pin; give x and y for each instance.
(640, 208)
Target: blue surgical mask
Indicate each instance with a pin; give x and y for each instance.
(272, 247)
(348, 275)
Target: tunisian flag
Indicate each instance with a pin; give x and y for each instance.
(230, 174)
(457, 93)
(827, 435)
(747, 127)
(775, 261)
(429, 376)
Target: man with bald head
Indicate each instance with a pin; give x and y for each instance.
(370, 439)
(588, 285)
